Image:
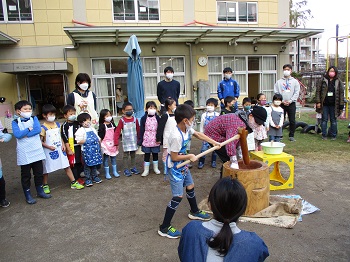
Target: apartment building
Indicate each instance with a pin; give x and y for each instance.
(44, 44)
(309, 54)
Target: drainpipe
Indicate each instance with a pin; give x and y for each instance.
(65, 49)
(193, 94)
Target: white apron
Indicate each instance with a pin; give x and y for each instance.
(29, 149)
(89, 108)
(57, 159)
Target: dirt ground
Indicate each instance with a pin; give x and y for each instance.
(118, 219)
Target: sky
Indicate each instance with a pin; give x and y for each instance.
(327, 14)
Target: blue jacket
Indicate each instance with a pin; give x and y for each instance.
(246, 246)
(228, 88)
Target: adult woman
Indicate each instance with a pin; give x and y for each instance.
(330, 101)
(220, 239)
(82, 98)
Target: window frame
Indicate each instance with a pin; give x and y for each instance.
(136, 20)
(236, 2)
(6, 18)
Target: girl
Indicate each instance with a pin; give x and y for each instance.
(147, 138)
(220, 239)
(87, 137)
(229, 103)
(106, 133)
(166, 125)
(261, 132)
(275, 117)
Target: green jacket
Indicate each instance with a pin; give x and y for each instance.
(321, 92)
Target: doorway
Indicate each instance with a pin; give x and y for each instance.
(46, 89)
(254, 85)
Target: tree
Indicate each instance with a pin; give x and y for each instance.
(299, 14)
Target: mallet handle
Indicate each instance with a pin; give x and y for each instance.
(210, 150)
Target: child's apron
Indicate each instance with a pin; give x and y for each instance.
(29, 149)
(107, 144)
(56, 159)
(179, 173)
(92, 152)
(129, 136)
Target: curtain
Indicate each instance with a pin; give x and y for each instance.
(102, 86)
(242, 81)
(269, 63)
(268, 81)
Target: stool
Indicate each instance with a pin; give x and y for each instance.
(276, 175)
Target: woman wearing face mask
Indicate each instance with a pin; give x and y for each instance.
(82, 98)
(289, 88)
(147, 137)
(228, 87)
(275, 118)
(168, 88)
(330, 101)
(226, 126)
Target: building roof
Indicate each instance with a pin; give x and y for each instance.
(6, 39)
(190, 34)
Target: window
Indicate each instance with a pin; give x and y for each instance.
(245, 68)
(136, 10)
(16, 11)
(108, 73)
(240, 12)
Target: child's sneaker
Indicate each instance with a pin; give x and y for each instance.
(169, 232)
(97, 180)
(76, 185)
(46, 189)
(81, 181)
(4, 203)
(88, 183)
(127, 172)
(134, 171)
(199, 215)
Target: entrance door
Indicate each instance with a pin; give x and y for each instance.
(46, 89)
(254, 85)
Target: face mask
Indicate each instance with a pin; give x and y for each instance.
(129, 113)
(151, 112)
(72, 118)
(108, 119)
(331, 74)
(247, 108)
(190, 126)
(169, 75)
(86, 124)
(228, 76)
(210, 108)
(26, 114)
(277, 102)
(51, 118)
(262, 102)
(286, 73)
(84, 86)
(173, 110)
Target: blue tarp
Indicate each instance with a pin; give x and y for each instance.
(135, 77)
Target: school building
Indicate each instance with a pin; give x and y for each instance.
(44, 44)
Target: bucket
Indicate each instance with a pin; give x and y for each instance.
(272, 148)
(256, 181)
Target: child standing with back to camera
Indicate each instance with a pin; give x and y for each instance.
(166, 125)
(147, 139)
(87, 137)
(109, 149)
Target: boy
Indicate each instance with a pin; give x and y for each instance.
(228, 87)
(30, 152)
(54, 149)
(211, 103)
(129, 127)
(228, 102)
(247, 105)
(168, 87)
(87, 137)
(181, 177)
(68, 130)
(188, 148)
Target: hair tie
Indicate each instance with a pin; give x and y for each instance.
(226, 221)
